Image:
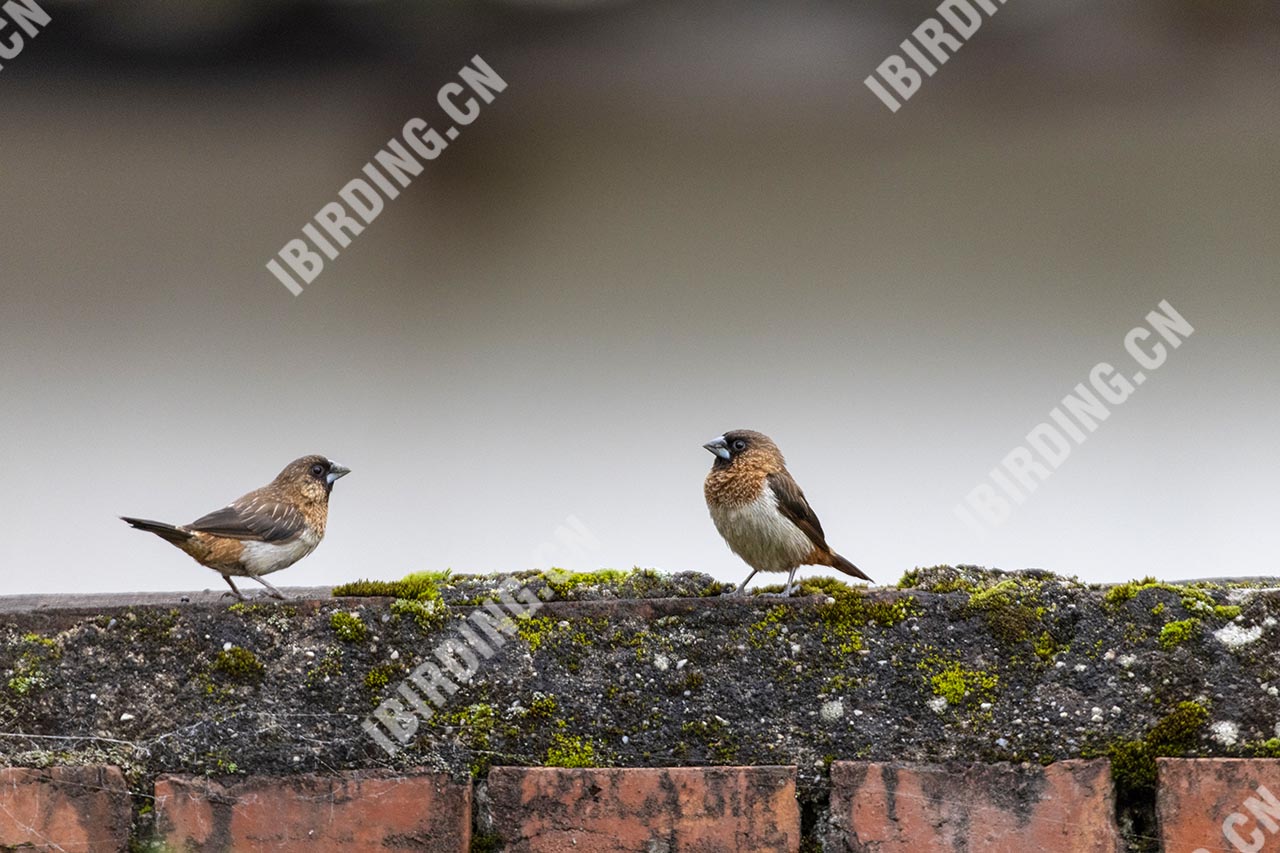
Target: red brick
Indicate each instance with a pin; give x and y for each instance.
(1067, 807)
(64, 808)
(1218, 804)
(674, 810)
(357, 811)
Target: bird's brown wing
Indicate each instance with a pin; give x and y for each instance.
(792, 504)
(254, 517)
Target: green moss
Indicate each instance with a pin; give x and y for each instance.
(567, 751)
(38, 640)
(768, 629)
(486, 842)
(220, 763)
(953, 682)
(947, 579)
(1261, 749)
(475, 726)
(238, 664)
(716, 736)
(534, 630)
(417, 597)
(151, 626)
(262, 608)
(1133, 762)
(30, 669)
(841, 683)
(1122, 592)
(1046, 647)
(418, 586)
(692, 681)
(326, 669)
(1175, 634)
(426, 614)
(910, 580)
(376, 679)
(476, 723)
(562, 583)
(1015, 614)
(274, 614)
(1226, 612)
(348, 627)
(543, 705)
(23, 683)
(1193, 598)
(851, 611)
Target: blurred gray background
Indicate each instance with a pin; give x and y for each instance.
(680, 218)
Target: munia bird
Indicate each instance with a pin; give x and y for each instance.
(267, 530)
(761, 512)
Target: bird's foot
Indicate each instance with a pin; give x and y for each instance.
(738, 592)
(271, 590)
(238, 596)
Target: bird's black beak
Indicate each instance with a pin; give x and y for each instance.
(337, 472)
(719, 447)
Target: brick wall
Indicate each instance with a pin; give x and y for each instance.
(1203, 805)
(966, 710)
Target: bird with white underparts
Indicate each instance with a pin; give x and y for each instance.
(761, 511)
(264, 531)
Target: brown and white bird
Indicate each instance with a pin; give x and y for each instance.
(761, 512)
(267, 530)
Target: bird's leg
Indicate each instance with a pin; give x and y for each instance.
(742, 589)
(786, 593)
(271, 590)
(237, 593)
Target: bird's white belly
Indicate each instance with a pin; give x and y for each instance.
(263, 558)
(761, 535)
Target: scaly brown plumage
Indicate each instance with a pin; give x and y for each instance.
(762, 513)
(264, 531)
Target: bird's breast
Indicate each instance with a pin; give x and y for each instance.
(730, 487)
(262, 558)
(760, 534)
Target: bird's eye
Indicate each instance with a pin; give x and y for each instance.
(317, 470)
(739, 445)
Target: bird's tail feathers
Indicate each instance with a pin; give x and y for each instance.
(167, 532)
(841, 564)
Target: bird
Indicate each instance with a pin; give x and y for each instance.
(761, 511)
(267, 530)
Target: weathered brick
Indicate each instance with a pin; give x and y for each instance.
(674, 810)
(370, 811)
(1218, 804)
(64, 808)
(1067, 807)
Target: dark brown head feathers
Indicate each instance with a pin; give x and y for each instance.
(264, 531)
(314, 467)
(743, 449)
(760, 510)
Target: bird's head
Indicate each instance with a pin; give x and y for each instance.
(313, 476)
(745, 448)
